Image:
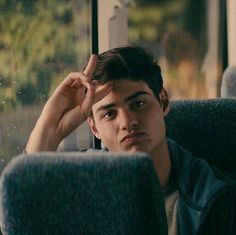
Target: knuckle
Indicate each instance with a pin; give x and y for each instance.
(81, 74)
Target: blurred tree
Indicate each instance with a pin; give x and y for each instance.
(38, 43)
(27, 94)
(150, 20)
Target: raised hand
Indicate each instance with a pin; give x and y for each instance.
(68, 107)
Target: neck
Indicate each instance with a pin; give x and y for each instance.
(162, 163)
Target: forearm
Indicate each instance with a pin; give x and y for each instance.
(42, 139)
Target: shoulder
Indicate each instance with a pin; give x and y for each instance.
(196, 179)
(191, 167)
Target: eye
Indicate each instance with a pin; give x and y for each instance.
(139, 105)
(109, 115)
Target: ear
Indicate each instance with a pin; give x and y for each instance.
(93, 127)
(164, 101)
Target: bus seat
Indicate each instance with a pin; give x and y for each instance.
(207, 128)
(81, 193)
(228, 85)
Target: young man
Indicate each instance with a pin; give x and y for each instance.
(121, 94)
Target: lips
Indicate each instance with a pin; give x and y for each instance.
(135, 136)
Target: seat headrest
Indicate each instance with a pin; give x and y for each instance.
(228, 85)
(81, 193)
(207, 128)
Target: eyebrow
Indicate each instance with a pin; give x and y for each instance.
(126, 100)
(135, 95)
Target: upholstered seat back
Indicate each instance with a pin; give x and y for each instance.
(81, 193)
(207, 128)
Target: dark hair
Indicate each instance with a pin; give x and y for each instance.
(129, 62)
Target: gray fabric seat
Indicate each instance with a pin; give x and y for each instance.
(81, 193)
(207, 128)
(228, 85)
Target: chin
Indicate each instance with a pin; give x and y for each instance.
(136, 149)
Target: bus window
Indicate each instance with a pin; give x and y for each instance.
(40, 43)
(188, 38)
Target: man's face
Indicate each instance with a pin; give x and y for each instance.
(129, 118)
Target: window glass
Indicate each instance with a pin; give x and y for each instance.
(186, 38)
(40, 43)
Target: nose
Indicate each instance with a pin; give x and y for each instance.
(128, 120)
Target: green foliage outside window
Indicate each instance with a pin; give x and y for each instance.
(40, 41)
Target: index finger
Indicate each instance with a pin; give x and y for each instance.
(102, 91)
(91, 65)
